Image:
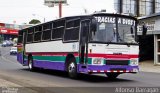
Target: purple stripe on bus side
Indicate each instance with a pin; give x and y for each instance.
(61, 66)
(49, 65)
(105, 67)
(19, 58)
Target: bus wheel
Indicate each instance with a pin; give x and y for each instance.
(112, 76)
(30, 63)
(72, 68)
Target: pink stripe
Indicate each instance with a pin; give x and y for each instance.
(113, 56)
(89, 55)
(98, 71)
(112, 71)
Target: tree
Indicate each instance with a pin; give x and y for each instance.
(34, 21)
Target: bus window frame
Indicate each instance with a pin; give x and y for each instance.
(32, 34)
(47, 24)
(72, 20)
(45, 30)
(43, 35)
(37, 31)
(20, 34)
(57, 27)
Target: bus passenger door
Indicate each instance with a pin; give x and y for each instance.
(84, 33)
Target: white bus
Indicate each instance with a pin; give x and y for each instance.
(97, 43)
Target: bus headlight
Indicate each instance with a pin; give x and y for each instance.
(97, 61)
(134, 62)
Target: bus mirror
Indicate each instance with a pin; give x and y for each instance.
(144, 30)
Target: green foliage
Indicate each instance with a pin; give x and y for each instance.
(34, 21)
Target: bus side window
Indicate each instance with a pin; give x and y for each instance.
(58, 29)
(37, 34)
(46, 35)
(72, 30)
(30, 33)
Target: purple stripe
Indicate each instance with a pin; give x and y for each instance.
(19, 58)
(105, 67)
(50, 65)
(61, 66)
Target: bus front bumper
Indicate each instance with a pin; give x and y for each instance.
(107, 69)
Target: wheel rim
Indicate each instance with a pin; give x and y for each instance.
(71, 67)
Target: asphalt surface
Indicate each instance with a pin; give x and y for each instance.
(45, 81)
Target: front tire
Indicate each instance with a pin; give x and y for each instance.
(72, 68)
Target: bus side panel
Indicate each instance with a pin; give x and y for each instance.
(20, 58)
(49, 65)
(52, 54)
(50, 62)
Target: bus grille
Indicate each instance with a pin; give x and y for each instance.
(117, 62)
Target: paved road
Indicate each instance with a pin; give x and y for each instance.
(56, 81)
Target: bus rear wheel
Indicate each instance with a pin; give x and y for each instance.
(72, 68)
(112, 76)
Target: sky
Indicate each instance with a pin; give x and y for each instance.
(22, 11)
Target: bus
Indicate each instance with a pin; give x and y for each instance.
(96, 43)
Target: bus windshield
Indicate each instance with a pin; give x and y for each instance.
(126, 34)
(120, 31)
